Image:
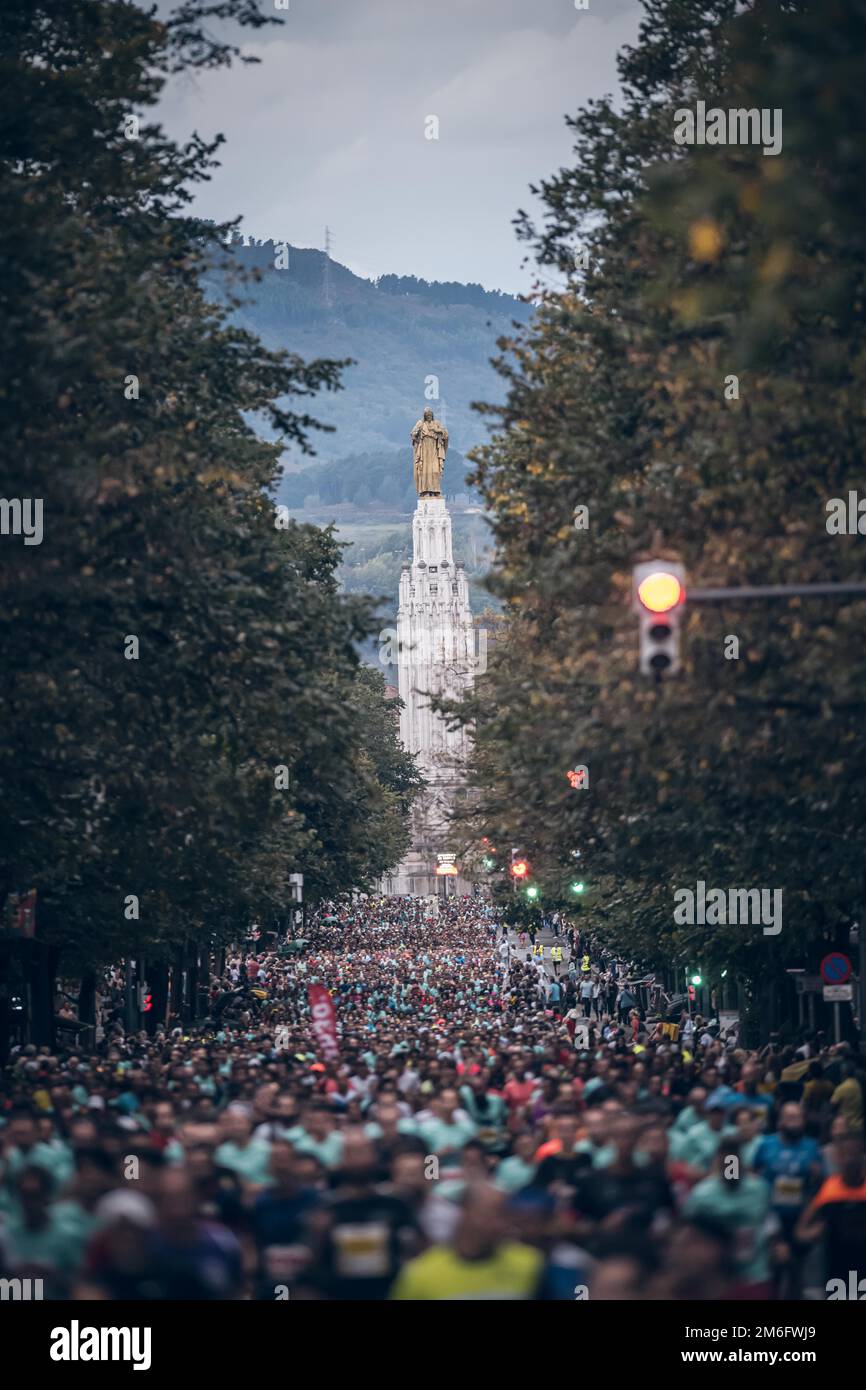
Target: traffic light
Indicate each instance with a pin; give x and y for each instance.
(578, 887)
(148, 1003)
(532, 891)
(658, 598)
(691, 994)
(519, 866)
(697, 980)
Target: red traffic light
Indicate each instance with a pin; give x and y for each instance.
(520, 868)
(661, 591)
(147, 1004)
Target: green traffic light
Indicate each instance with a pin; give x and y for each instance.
(577, 887)
(532, 891)
(696, 980)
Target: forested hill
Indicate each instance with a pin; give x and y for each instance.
(382, 476)
(400, 331)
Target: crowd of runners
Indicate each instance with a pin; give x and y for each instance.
(489, 1121)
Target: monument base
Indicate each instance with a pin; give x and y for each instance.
(416, 873)
(413, 879)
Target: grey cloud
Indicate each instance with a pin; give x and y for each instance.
(329, 127)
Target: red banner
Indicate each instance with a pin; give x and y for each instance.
(25, 914)
(324, 1021)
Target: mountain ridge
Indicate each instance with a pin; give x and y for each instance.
(412, 343)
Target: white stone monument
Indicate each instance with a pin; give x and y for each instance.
(435, 653)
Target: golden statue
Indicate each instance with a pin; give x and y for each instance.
(429, 447)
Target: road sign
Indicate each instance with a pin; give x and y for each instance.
(807, 984)
(838, 994)
(836, 969)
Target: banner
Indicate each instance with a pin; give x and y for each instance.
(324, 1021)
(23, 913)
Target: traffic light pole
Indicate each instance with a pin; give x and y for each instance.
(130, 1000)
(783, 591)
(861, 961)
(748, 591)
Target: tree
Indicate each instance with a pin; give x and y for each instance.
(167, 647)
(701, 264)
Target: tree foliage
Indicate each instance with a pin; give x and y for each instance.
(185, 720)
(704, 262)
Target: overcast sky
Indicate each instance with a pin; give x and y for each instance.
(329, 127)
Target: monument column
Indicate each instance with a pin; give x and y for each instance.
(435, 655)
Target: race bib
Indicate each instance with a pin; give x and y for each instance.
(787, 1191)
(362, 1250)
(283, 1262)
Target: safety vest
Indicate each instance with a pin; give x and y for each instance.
(585, 964)
(538, 949)
(556, 953)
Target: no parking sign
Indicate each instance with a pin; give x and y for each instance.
(836, 969)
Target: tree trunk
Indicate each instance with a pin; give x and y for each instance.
(87, 997)
(750, 1013)
(177, 974)
(87, 1009)
(5, 1026)
(43, 970)
(191, 1013)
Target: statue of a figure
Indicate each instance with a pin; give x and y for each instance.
(429, 447)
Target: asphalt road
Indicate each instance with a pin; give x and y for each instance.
(546, 938)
